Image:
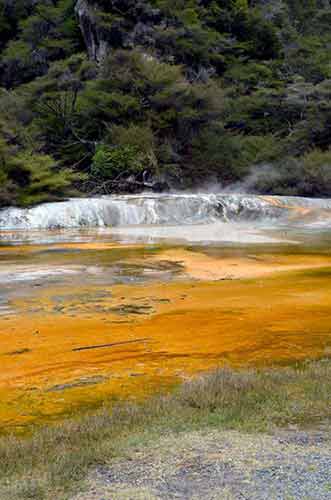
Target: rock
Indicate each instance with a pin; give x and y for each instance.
(99, 37)
(97, 46)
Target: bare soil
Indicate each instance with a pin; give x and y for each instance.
(225, 465)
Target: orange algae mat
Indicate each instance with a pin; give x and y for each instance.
(70, 349)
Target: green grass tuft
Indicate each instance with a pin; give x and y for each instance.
(54, 460)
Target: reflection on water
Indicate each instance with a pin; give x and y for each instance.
(94, 314)
(213, 233)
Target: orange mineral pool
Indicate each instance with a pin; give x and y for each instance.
(83, 324)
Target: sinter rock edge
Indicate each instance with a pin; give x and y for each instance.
(165, 209)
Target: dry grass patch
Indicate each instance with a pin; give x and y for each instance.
(51, 462)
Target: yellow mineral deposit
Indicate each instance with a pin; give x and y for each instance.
(136, 339)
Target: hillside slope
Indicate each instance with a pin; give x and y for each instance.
(115, 95)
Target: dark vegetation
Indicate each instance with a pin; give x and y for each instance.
(104, 95)
(54, 460)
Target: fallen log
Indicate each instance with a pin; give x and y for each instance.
(103, 346)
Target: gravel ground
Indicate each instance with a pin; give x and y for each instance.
(220, 465)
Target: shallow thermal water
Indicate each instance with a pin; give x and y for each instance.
(120, 297)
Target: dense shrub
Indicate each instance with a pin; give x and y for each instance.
(111, 162)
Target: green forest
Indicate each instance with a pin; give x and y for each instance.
(102, 96)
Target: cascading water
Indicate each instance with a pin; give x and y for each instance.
(164, 209)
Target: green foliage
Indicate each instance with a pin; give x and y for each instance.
(317, 173)
(27, 176)
(38, 179)
(240, 5)
(109, 163)
(259, 35)
(43, 177)
(11, 13)
(185, 88)
(309, 58)
(228, 157)
(140, 138)
(51, 32)
(249, 76)
(6, 188)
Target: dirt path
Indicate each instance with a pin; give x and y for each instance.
(212, 465)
